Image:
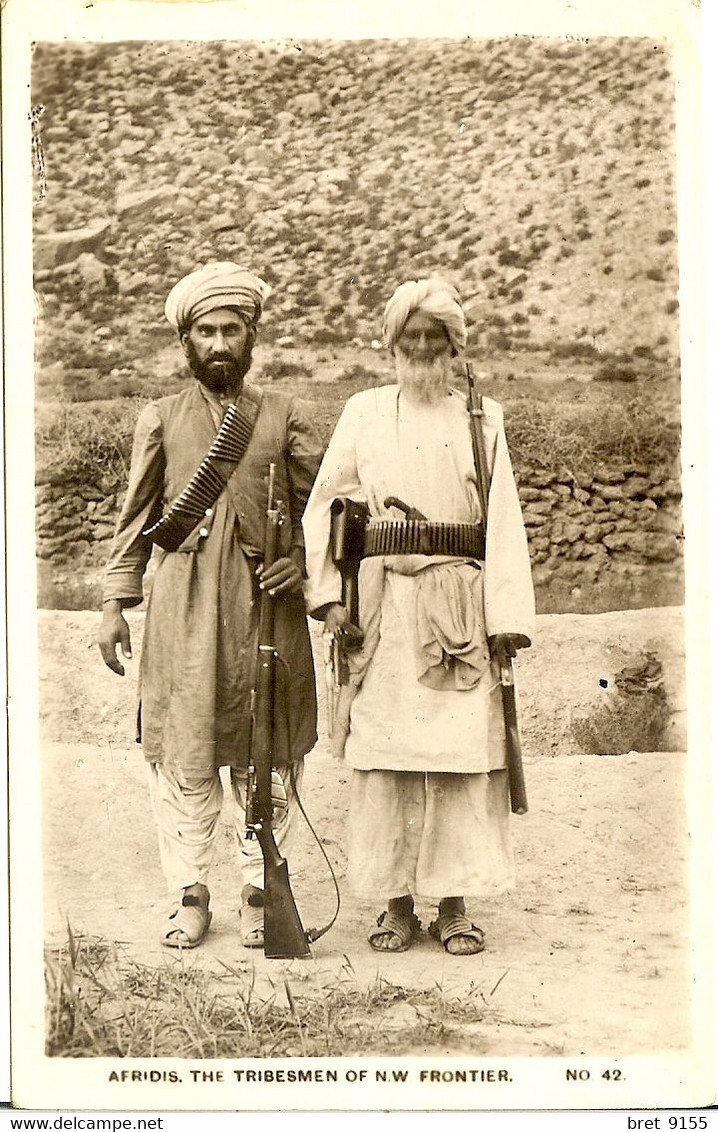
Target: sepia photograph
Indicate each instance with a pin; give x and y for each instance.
(355, 734)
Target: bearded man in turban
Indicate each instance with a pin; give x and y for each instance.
(200, 639)
(420, 720)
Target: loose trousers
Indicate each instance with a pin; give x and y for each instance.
(429, 834)
(187, 813)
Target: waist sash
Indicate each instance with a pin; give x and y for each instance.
(205, 487)
(457, 540)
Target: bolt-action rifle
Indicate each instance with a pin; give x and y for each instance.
(517, 783)
(284, 936)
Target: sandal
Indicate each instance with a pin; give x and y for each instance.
(452, 924)
(405, 928)
(251, 925)
(192, 919)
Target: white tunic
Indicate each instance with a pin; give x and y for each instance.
(385, 445)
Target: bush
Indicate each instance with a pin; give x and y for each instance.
(612, 372)
(636, 717)
(358, 372)
(574, 350)
(281, 367)
(580, 435)
(86, 440)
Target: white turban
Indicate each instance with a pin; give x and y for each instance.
(213, 286)
(436, 297)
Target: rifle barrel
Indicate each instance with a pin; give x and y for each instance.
(284, 936)
(514, 764)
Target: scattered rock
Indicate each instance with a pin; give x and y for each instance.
(93, 272)
(129, 148)
(133, 284)
(51, 251)
(306, 104)
(139, 205)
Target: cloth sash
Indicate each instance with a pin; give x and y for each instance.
(450, 646)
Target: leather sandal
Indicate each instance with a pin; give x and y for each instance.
(251, 925)
(192, 919)
(405, 928)
(449, 925)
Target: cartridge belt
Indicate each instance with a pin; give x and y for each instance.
(205, 487)
(456, 540)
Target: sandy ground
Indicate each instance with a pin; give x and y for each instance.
(590, 954)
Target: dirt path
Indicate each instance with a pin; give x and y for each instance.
(589, 954)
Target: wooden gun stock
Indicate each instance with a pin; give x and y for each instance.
(514, 762)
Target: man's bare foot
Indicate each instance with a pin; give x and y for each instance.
(251, 916)
(188, 925)
(454, 929)
(397, 927)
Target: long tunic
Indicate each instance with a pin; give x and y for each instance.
(385, 445)
(199, 650)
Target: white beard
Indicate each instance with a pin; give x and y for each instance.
(423, 381)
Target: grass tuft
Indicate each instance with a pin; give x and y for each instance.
(100, 1003)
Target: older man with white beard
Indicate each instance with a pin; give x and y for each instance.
(420, 720)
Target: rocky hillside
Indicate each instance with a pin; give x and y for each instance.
(537, 174)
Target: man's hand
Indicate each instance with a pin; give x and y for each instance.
(284, 576)
(114, 631)
(337, 624)
(504, 646)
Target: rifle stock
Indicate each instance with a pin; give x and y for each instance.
(284, 936)
(514, 763)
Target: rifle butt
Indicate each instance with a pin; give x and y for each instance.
(514, 762)
(284, 936)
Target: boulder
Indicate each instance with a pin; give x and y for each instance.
(592, 648)
(307, 104)
(51, 251)
(93, 272)
(336, 176)
(130, 148)
(133, 284)
(141, 204)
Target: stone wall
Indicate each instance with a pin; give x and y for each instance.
(606, 540)
(621, 527)
(73, 521)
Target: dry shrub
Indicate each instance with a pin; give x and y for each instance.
(581, 435)
(90, 440)
(636, 716)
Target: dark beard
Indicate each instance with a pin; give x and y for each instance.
(222, 374)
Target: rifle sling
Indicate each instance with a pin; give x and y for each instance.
(208, 482)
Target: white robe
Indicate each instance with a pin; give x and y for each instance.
(386, 445)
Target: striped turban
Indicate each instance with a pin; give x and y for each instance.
(216, 285)
(436, 297)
